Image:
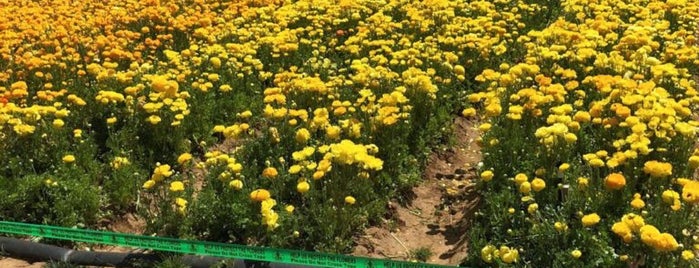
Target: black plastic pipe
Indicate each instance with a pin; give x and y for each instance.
(33, 252)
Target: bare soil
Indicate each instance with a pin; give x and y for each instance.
(437, 218)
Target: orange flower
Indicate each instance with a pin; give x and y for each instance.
(260, 195)
(615, 181)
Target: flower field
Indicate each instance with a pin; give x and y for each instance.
(292, 123)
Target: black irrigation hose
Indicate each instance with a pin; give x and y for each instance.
(32, 251)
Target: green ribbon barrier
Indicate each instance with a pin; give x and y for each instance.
(205, 248)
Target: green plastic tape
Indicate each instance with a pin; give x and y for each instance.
(204, 248)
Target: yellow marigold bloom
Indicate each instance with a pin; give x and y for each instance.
(657, 169)
(487, 175)
(318, 175)
(350, 200)
(184, 158)
(576, 253)
(649, 234)
(154, 119)
(302, 135)
(23, 129)
(289, 208)
(622, 230)
(532, 208)
(633, 221)
(615, 181)
(270, 173)
(468, 112)
(149, 184)
(295, 169)
(333, 132)
(525, 187)
(520, 178)
(538, 184)
(559, 226)
(508, 255)
(260, 195)
(69, 158)
(58, 123)
(161, 172)
(690, 192)
(590, 219)
(694, 161)
(162, 85)
(215, 62)
(176, 186)
(303, 187)
(637, 202)
(665, 242)
(236, 184)
(688, 255)
(563, 167)
(181, 204)
(487, 253)
(583, 182)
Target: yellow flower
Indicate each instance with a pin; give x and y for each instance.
(690, 192)
(657, 169)
(176, 186)
(538, 184)
(333, 132)
(563, 167)
(576, 254)
(508, 255)
(520, 178)
(58, 123)
(615, 181)
(236, 184)
(215, 62)
(302, 135)
(181, 204)
(289, 208)
(583, 182)
(153, 119)
(637, 202)
(525, 187)
(184, 158)
(149, 184)
(622, 230)
(162, 85)
(303, 187)
(260, 195)
(694, 161)
(161, 172)
(295, 169)
(487, 175)
(590, 219)
(559, 226)
(270, 173)
(69, 158)
(468, 112)
(350, 200)
(532, 208)
(487, 253)
(687, 255)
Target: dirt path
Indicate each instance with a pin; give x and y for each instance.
(433, 227)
